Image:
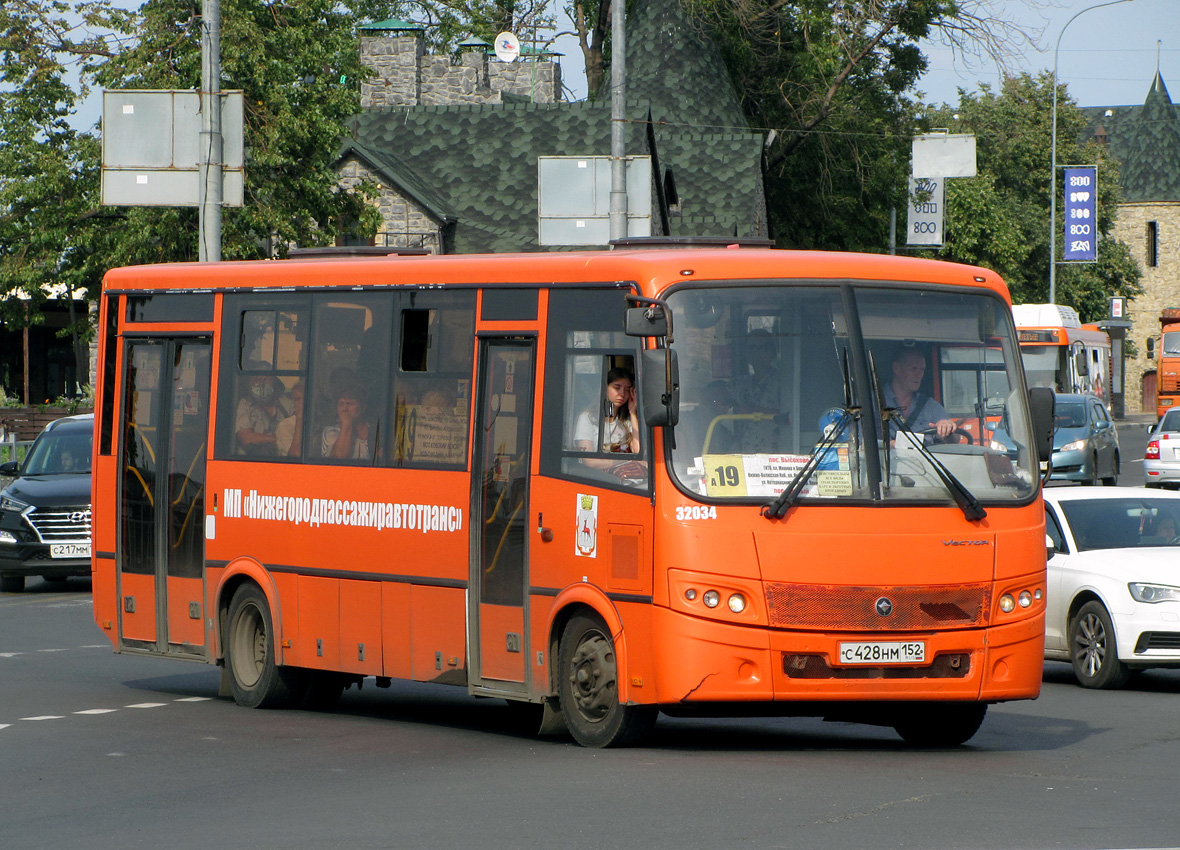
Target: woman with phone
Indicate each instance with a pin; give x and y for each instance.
(615, 428)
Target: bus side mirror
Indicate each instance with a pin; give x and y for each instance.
(659, 385)
(1041, 403)
(646, 321)
(1081, 363)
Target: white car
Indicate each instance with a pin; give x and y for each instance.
(1113, 594)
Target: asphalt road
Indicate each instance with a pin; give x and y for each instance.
(103, 750)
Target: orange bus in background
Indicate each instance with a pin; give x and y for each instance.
(315, 471)
(1167, 369)
(1061, 353)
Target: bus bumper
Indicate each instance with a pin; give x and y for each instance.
(700, 660)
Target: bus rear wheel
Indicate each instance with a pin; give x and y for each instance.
(940, 725)
(589, 688)
(254, 678)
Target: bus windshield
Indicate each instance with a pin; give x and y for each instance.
(1043, 364)
(789, 386)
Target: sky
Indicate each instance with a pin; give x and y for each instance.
(1107, 56)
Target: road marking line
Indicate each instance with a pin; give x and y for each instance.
(45, 717)
(10, 654)
(145, 705)
(4, 725)
(96, 711)
(53, 650)
(194, 699)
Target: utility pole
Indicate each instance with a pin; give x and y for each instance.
(1053, 158)
(210, 157)
(618, 117)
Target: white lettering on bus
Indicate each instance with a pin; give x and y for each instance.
(359, 514)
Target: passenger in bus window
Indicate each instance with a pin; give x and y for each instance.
(349, 437)
(918, 411)
(619, 420)
(258, 415)
(289, 432)
(758, 395)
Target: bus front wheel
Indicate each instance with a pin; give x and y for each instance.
(589, 688)
(254, 678)
(940, 725)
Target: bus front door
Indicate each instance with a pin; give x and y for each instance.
(161, 554)
(499, 558)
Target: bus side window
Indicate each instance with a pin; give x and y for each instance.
(349, 356)
(267, 360)
(432, 383)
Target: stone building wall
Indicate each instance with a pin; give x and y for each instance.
(1161, 287)
(406, 75)
(403, 223)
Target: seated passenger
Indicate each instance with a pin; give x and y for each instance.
(348, 438)
(257, 416)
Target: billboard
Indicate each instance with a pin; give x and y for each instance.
(1081, 214)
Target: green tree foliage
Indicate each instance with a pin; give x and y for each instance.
(1000, 218)
(298, 67)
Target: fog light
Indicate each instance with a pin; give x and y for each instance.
(1025, 599)
(711, 598)
(737, 603)
(690, 594)
(1007, 603)
(7, 537)
(1037, 594)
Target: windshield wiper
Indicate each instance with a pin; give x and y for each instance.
(963, 497)
(849, 413)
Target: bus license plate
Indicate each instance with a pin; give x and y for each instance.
(69, 550)
(883, 652)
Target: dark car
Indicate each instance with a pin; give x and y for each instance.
(1085, 442)
(45, 511)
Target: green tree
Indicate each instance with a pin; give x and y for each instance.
(1000, 218)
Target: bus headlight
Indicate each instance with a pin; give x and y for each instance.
(737, 603)
(711, 598)
(1025, 599)
(690, 594)
(1007, 603)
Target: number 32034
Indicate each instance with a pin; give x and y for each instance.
(696, 512)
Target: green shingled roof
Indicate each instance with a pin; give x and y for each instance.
(476, 165)
(1146, 141)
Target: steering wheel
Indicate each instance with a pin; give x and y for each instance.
(957, 432)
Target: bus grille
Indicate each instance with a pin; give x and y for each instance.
(854, 609)
(1169, 384)
(61, 525)
(808, 666)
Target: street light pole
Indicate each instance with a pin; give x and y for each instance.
(1053, 157)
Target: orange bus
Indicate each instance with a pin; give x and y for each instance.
(1061, 353)
(597, 485)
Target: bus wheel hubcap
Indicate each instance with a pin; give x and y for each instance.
(593, 677)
